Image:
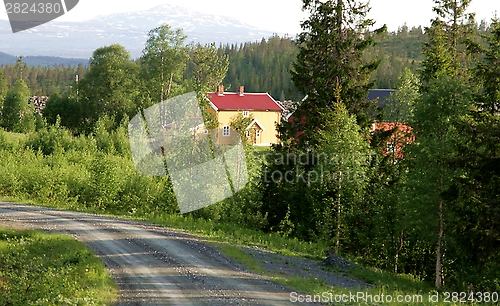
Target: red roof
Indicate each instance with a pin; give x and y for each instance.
(402, 134)
(247, 101)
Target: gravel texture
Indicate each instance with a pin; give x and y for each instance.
(158, 266)
(289, 266)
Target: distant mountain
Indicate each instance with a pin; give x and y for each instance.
(7, 59)
(80, 39)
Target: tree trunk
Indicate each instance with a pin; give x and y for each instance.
(170, 81)
(439, 251)
(337, 234)
(396, 257)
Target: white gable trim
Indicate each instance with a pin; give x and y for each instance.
(282, 109)
(213, 106)
(301, 101)
(255, 121)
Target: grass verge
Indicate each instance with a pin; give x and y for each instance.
(229, 238)
(386, 289)
(38, 268)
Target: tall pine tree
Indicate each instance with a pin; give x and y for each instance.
(445, 53)
(331, 52)
(445, 97)
(329, 69)
(476, 190)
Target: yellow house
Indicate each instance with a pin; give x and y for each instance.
(264, 110)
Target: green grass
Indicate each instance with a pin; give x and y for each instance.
(38, 268)
(402, 289)
(229, 238)
(383, 283)
(389, 281)
(238, 236)
(241, 256)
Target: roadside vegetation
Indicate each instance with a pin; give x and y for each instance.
(417, 202)
(38, 268)
(52, 189)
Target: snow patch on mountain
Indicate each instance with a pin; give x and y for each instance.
(80, 39)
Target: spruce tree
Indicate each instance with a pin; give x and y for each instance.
(487, 72)
(331, 52)
(445, 52)
(436, 115)
(329, 68)
(477, 236)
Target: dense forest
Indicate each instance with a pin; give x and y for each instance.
(419, 198)
(43, 80)
(262, 66)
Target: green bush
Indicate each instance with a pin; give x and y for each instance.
(49, 140)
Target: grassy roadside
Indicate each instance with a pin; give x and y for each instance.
(230, 239)
(387, 289)
(38, 268)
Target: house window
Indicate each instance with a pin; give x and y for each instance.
(257, 133)
(391, 147)
(247, 134)
(205, 132)
(226, 131)
(246, 114)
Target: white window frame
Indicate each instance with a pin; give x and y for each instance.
(247, 134)
(226, 131)
(205, 132)
(258, 133)
(246, 113)
(391, 147)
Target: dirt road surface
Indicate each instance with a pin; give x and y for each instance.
(154, 265)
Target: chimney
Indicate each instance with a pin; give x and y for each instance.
(220, 90)
(241, 90)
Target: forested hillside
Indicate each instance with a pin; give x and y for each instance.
(262, 66)
(7, 59)
(265, 65)
(43, 80)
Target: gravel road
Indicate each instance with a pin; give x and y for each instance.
(154, 265)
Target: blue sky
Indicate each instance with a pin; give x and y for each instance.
(281, 16)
